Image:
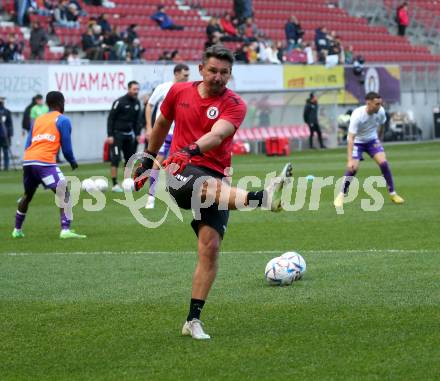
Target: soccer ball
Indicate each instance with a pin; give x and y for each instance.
(128, 185)
(88, 185)
(101, 184)
(281, 272)
(297, 261)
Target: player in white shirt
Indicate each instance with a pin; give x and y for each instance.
(152, 112)
(362, 137)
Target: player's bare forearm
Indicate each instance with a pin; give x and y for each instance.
(219, 132)
(159, 134)
(148, 112)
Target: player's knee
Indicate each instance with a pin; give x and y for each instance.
(210, 246)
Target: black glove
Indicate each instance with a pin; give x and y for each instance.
(73, 165)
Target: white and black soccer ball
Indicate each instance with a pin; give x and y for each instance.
(297, 261)
(88, 185)
(280, 272)
(101, 184)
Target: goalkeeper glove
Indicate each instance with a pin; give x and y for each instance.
(182, 158)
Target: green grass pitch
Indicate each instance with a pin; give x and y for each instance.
(111, 307)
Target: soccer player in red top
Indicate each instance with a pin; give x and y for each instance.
(206, 116)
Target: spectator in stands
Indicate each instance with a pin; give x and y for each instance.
(297, 55)
(248, 31)
(348, 55)
(45, 8)
(103, 22)
(263, 50)
(241, 53)
(321, 43)
(228, 25)
(66, 16)
(37, 41)
(272, 53)
(402, 18)
(13, 49)
(281, 51)
(112, 40)
(81, 12)
(130, 33)
(163, 20)
(214, 29)
(26, 121)
(359, 69)
(91, 42)
(334, 50)
(252, 53)
(310, 116)
(121, 49)
(294, 33)
(135, 50)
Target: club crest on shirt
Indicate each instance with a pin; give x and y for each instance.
(212, 112)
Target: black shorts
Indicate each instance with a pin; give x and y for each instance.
(182, 187)
(123, 143)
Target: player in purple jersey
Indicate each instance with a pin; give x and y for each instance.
(362, 138)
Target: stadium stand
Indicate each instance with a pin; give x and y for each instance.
(374, 43)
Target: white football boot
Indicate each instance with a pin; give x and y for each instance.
(194, 328)
(275, 189)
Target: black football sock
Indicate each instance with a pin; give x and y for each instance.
(195, 309)
(115, 181)
(255, 196)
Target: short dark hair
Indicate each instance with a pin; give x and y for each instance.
(372, 95)
(179, 67)
(54, 99)
(38, 96)
(220, 52)
(131, 83)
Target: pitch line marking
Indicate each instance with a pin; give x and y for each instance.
(368, 251)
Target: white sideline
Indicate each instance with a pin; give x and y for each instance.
(387, 251)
